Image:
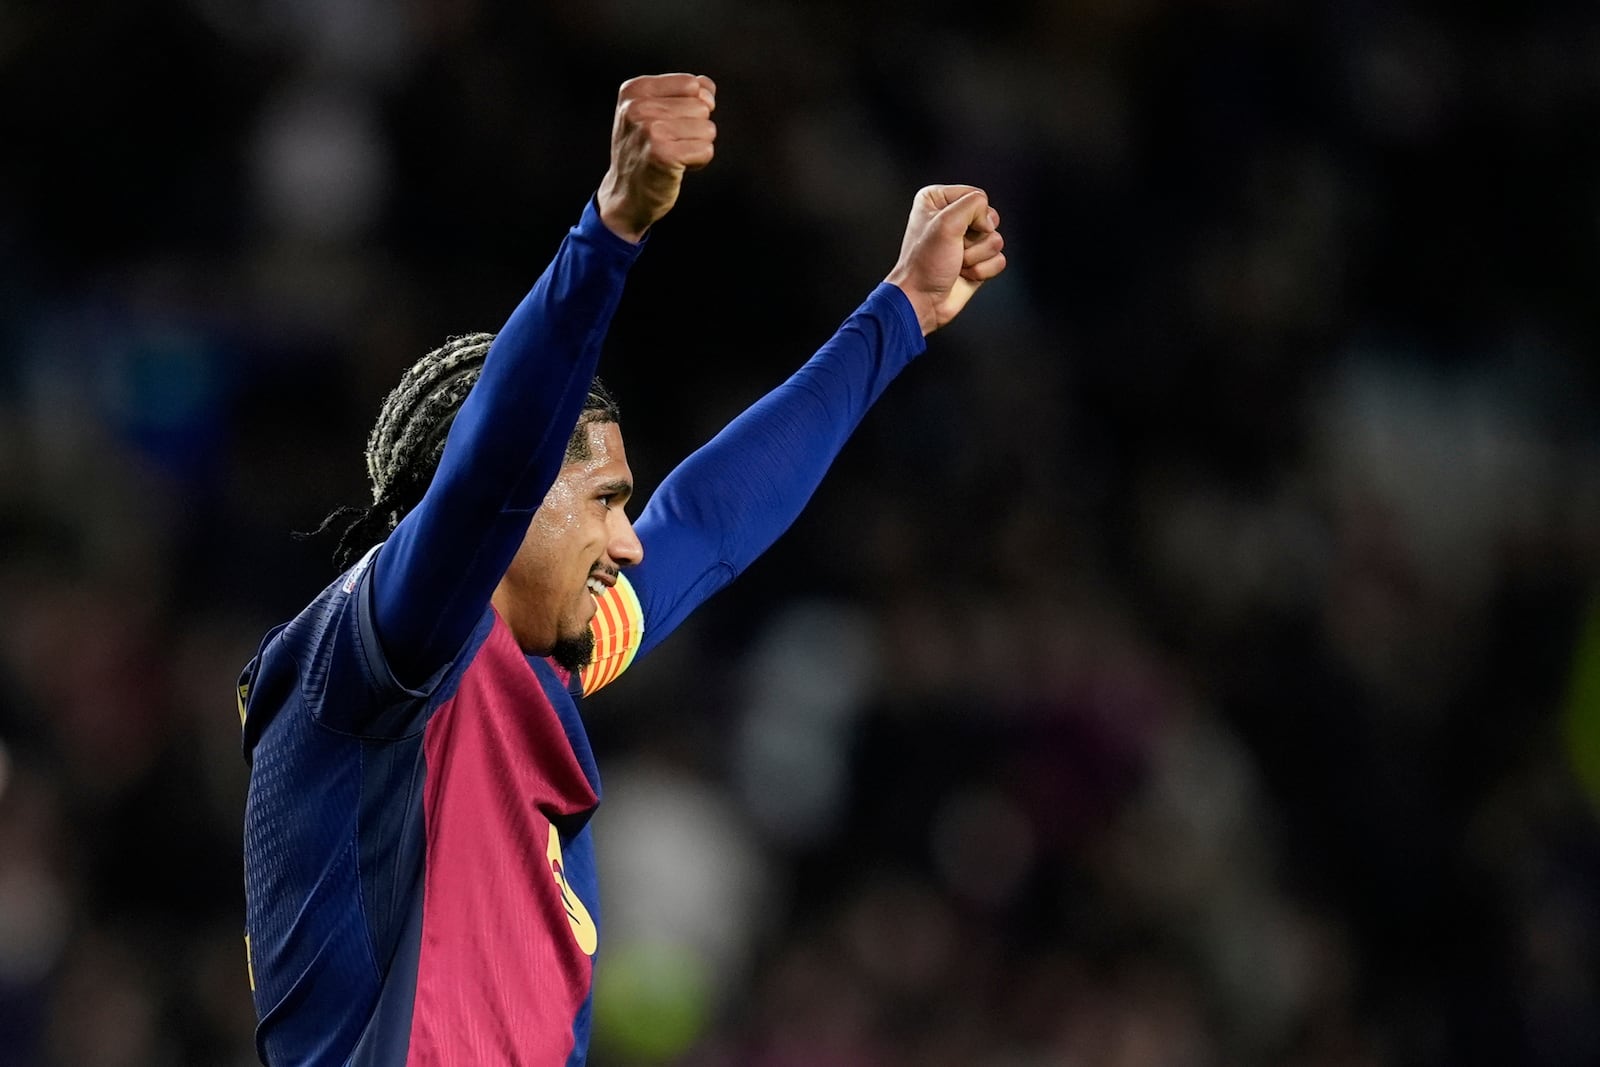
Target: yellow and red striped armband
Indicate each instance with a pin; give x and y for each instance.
(618, 628)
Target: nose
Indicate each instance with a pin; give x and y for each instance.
(622, 544)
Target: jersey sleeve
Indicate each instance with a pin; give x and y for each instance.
(433, 577)
(729, 501)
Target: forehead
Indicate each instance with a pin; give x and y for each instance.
(607, 458)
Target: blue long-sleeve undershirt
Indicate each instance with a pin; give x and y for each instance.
(435, 574)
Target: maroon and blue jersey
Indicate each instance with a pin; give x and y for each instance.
(419, 867)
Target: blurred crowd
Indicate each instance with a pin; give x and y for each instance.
(1192, 662)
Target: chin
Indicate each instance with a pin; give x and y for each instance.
(574, 653)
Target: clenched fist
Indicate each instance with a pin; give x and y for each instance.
(952, 245)
(663, 127)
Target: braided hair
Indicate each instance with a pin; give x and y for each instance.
(407, 441)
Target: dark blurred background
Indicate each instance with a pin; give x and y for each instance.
(1192, 660)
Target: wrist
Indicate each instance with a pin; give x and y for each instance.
(615, 214)
(921, 303)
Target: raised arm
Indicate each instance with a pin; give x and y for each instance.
(724, 505)
(433, 577)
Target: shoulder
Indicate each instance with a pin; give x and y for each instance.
(327, 660)
(330, 627)
(296, 658)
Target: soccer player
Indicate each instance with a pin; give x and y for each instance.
(419, 869)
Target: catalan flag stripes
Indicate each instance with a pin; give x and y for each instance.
(618, 629)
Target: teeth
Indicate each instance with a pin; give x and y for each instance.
(595, 586)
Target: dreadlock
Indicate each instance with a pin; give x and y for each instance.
(406, 443)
